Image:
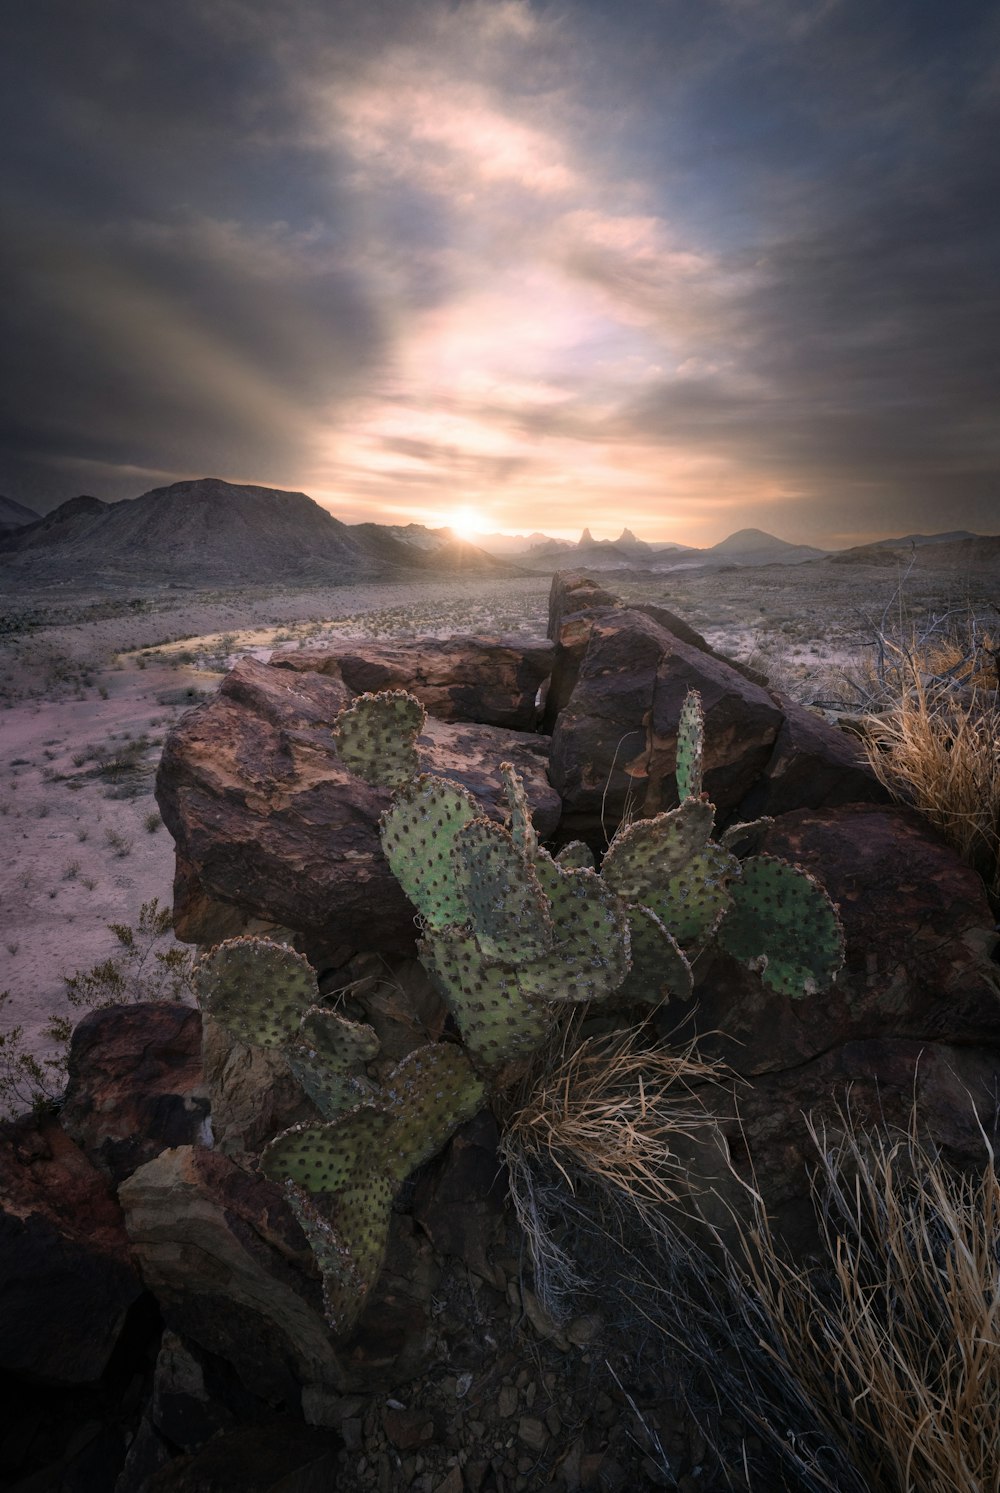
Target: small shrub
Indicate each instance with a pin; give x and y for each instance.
(152, 822)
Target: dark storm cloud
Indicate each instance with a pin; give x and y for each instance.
(738, 252)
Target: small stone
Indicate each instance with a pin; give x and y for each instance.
(529, 1394)
(407, 1429)
(583, 1330)
(553, 1420)
(350, 1429)
(453, 1483)
(532, 1433)
(506, 1401)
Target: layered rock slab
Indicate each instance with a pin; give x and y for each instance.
(270, 825)
(488, 680)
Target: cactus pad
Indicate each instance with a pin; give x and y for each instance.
(429, 1093)
(418, 833)
(575, 856)
(508, 911)
(258, 990)
(589, 957)
(691, 903)
(745, 839)
(349, 1247)
(648, 851)
(498, 1025)
(784, 925)
(328, 1059)
(690, 746)
(660, 968)
(330, 1157)
(522, 831)
(377, 735)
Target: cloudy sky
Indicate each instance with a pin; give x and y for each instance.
(685, 265)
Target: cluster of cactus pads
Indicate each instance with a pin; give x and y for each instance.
(511, 936)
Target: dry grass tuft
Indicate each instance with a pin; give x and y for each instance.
(893, 1339)
(612, 1107)
(939, 750)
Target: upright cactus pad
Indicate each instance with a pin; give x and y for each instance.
(648, 851)
(377, 736)
(328, 1058)
(418, 833)
(498, 1025)
(745, 838)
(508, 912)
(330, 1157)
(258, 990)
(522, 831)
(429, 1093)
(589, 957)
(783, 925)
(690, 746)
(660, 969)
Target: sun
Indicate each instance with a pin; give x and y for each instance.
(467, 523)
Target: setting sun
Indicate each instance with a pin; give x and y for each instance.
(467, 523)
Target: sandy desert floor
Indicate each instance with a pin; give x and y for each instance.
(89, 686)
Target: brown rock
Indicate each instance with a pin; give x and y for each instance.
(66, 1280)
(813, 766)
(489, 680)
(407, 1429)
(615, 742)
(252, 1091)
(269, 822)
(460, 1203)
(222, 1252)
(135, 1084)
(919, 938)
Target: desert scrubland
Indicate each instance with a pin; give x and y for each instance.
(91, 681)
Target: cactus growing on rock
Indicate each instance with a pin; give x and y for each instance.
(511, 937)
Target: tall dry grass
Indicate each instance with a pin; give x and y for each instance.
(892, 1337)
(938, 748)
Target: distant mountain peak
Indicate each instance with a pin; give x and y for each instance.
(585, 538)
(627, 537)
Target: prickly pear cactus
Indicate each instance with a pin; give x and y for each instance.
(512, 938)
(784, 926)
(377, 737)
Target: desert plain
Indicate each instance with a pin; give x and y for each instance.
(92, 680)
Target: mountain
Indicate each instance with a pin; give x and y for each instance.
(754, 547)
(205, 531)
(909, 541)
(210, 532)
(14, 515)
(510, 546)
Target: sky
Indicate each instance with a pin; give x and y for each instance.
(685, 266)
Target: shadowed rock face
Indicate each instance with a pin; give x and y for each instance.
(270, 825)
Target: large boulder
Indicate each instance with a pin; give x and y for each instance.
(271, 825)
(920, 941)
(614, 745)
(492, 681)
(135, 1084)
(66, 1277)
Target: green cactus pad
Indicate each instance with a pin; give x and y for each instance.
(589, 957)
(783, 925)
(429, 1093)
(745, 839)
(497, 1024)
(377, 735)
(522, 831)
(648, 851)
(330, 1157)
(690, 746)
(418, 833)
(692, 902)
(508, 911)
(660, 969)
(575, 856)
(258, 990)
(332, 1091)
(349, 1247)
(328, 1059)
